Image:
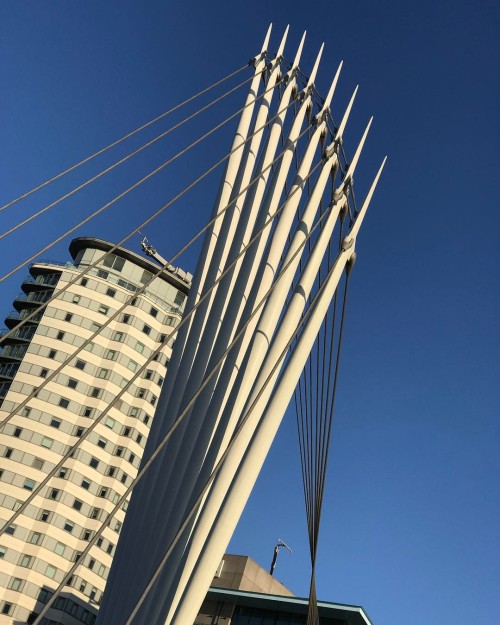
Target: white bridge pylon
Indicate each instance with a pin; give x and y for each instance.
(285, 191)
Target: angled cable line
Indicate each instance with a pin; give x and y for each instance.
(172, 429)
(124, 138)
(134, 186)
(124, 159)
(99, 419)
(58, 293)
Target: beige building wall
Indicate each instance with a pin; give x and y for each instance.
(48, 537)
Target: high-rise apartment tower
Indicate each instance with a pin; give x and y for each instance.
(39, 548)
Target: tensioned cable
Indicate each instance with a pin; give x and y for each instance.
(136, 184)
(99, 419)
(127, 136)
(126, 158)
(175, 425)
(144, 223)
(218, 466)
(138, 292)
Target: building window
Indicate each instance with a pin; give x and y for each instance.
(47, 442)
(134, 412)
(146, 276)
(146, 329)
(63, 402)
(113, 262)
(102, 442)
(55, 423)
(118, 336)
(59, 549)
(86, 535)
(18, 432)
(138, 438)
(103, 374)
(126, 431)
(72, 383)
(110, 292)
(26, 412)
(77, 504)
(68, 317)
(87, 411)
(80, 364)
(111, 354)
(29, 484)
(132, 365)
(95, 513)
(153, 312)
(103, 492)
(11, 530)
(89, 347)
(79, 430)
(45, 516)
(76, 299)
(50, 571)
(60, 335)
(62, 473)
(26, 561)
(96, 392)
(153, 400)
(69, 526)
(103, 274)
(119, 452)
(6, 608)
(54, 493)
(16, 584)
(131, 458)
(111, 471)
(103, 309)
(52, 353)
(110, 422)
(85, 484)
(37, 463)
(44, 373)
(95, 327)
(179, 298)
(139, 347)
(146, 419)
(3, 551)
(126, 319)
(84, 281)
(94, 463)
(8, 452)
(141, 393)
(35, 538)
(148, 374)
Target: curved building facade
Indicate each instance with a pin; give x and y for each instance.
(39, 548)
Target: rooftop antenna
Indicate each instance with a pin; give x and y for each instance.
(279, 544)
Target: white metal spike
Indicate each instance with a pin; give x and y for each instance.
(354, 162)
(266, 40)
(361, 215)
(331, 91)
(282, 44)
(315, 67)
(296, 60)
(343, 123)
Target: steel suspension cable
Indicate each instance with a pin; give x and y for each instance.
(145, 223)
(219, 464)
(99, 419)
(122, 139)
(125, 158)
(139, 182)
(179, 419)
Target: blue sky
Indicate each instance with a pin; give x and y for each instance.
(410, 527)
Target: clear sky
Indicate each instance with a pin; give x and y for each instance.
(412, 519)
